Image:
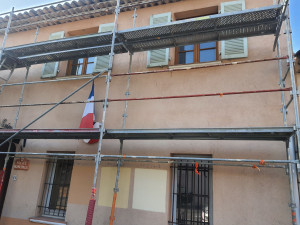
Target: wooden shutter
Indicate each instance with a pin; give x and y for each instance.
(102, 62)
(50, 69)
(234, 48)
(159, 57)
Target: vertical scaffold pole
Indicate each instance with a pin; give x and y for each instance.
(91, 207)
(292, 170)
(292, 74)
(282, 85)
(7, 79)
(6, 33)
(14, 126)
(119, 163)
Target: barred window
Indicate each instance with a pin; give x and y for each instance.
(191, 194)
(56, 187)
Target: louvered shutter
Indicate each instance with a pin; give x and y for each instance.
(50, 69)
(234, 48)
(159, 57)
(102, 62)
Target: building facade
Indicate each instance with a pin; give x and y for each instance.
(57, 190)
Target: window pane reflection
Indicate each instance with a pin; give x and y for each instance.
(186, 57)
(208, 55)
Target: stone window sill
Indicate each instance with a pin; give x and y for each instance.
(47, 220)
(195, 65)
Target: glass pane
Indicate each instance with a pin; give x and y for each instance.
(79, 70)
(77, 61)
(208, 45)
(73, 70)
(89, 68)
(186, 57)
(91, 59)
(186, 48)
(208, 55)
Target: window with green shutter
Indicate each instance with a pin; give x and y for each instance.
(50, 69)
(159, 57)
(234, 48)
(102, 62)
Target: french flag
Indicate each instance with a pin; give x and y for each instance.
(88, 117)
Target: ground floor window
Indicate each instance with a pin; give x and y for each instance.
(56, 187)
(191, 194)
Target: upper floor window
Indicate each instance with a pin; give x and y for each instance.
(81, 66)
(201, 52)
(205, 52)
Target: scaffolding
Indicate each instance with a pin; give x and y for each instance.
(246, 23)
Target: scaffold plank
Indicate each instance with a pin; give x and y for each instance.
(262, 133)
(246, 23)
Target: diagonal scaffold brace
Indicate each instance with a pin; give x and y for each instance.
(91, 207)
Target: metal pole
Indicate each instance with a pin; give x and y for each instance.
(6, 33)
(116, 189)
(91, 207)
(155, 98)
(292, 74)
(16, 118)
(153, 71)
(198, 159)
(9, 76)
(14, 126)
(47, 81)
(292, 170)
(43, 114)
(36, 34)
(282, 85)
(127, 93)
(47, 154)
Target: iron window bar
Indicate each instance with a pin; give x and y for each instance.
(191, 194)
(56, 187)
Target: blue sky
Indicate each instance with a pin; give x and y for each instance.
(6, 5)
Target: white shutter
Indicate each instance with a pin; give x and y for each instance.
(159, 57)
(50, 69)
(102, 62)
(234, 48)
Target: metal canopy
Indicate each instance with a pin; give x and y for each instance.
(247, 23)
(267, 134)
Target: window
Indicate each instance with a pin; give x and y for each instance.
(197, 53)
(191, 195)
(81, 66)
(56, 187)
(205, 52)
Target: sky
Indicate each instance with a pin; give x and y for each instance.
(6, 5)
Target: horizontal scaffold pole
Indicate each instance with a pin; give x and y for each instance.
(155, 98)
(133, 158)
(197, 159)
(186, 68)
